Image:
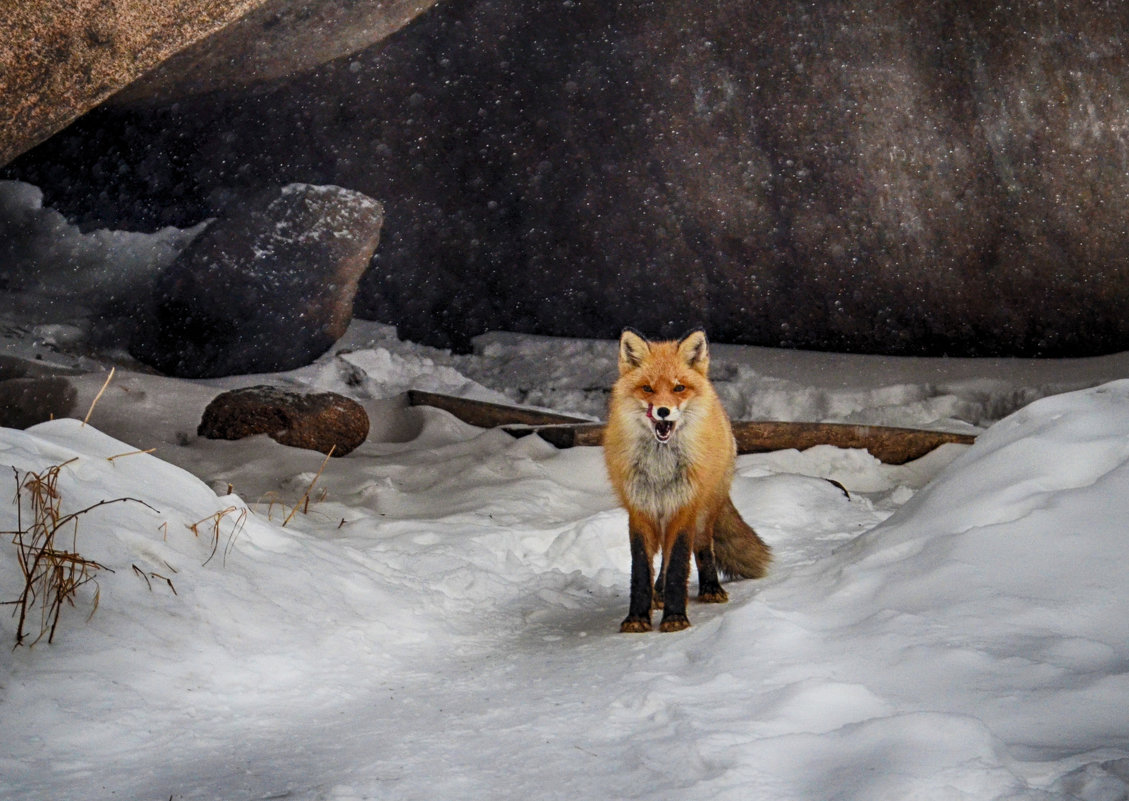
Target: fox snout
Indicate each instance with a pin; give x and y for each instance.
(663, 421)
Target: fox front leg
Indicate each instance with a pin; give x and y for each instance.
(677, 576)
(642, 565)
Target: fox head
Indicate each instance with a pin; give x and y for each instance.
(660, 381)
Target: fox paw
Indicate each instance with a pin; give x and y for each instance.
(718, 596)
(635, 625)
(674, 623)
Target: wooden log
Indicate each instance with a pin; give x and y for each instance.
(488, 415)
(563, 436)
(885, 443)
(888, 444)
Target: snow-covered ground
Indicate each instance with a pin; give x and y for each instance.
(442, 620)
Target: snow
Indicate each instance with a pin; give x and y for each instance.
(442, 620)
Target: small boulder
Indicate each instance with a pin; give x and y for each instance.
(24, 402)
(316, 422)
(31, 394)
(267, 286)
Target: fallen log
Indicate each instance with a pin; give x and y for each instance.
(488, 415)
(887, 444)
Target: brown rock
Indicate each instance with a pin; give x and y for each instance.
(317, 422)
(279, 38)
(60, 59)
(269, 286)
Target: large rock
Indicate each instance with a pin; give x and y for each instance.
(938, 177)
(60, 59)
(279, 38)
(268, 286)
(323, 421)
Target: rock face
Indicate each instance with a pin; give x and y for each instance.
(60, 59)
(321, 422)
(268, 286)
(938, 177)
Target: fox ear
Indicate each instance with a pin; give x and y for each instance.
(694, 349)
(633, 348)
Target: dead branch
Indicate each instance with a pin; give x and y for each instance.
(888, 444)
(489, 415)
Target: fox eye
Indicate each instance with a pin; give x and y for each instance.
(648, 389)
(679, 388)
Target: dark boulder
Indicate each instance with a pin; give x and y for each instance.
(25, 402)
(317, 422)
(32, 393)
(268, 286)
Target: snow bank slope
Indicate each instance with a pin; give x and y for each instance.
(444, 625)
(982, 624)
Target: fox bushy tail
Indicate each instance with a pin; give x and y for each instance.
(737, 549)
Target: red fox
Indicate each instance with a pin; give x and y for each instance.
(670, 455)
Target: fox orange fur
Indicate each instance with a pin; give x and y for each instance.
(670, 455)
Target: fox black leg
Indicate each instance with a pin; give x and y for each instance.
(639, 612)
(657, 599)
(709, 586)
(674, 586)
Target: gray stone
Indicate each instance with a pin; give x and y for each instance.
(269, 286)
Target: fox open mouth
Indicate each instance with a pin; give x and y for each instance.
(662, 426)
(663, 429)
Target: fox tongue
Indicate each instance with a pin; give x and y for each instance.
(663, 430)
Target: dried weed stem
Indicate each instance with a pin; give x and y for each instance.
(52, 574)
(306, 496)
(97, 397)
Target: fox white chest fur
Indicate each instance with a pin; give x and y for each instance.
(659, 480)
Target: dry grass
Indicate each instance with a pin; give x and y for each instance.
(52, 571)
(270, 498)
(151, 575)
(129, 453)
(213, 521)
(97, 397)
(305, 499)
